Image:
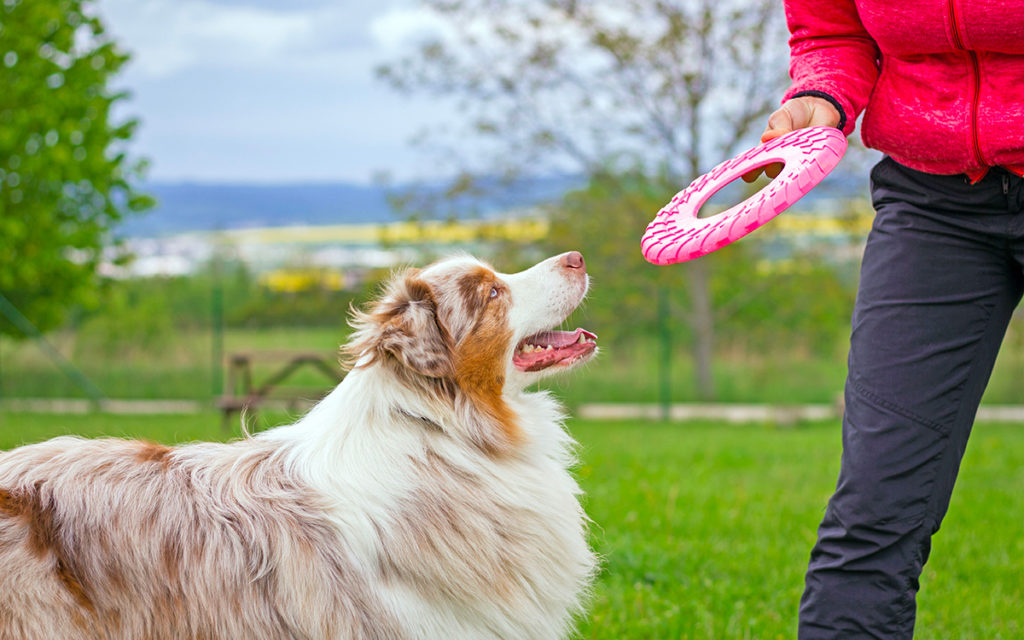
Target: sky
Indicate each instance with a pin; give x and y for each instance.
(264, 91)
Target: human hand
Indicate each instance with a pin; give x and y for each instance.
(798, 113)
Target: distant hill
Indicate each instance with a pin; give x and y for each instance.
(190, 206)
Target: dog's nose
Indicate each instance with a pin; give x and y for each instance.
(574, 260)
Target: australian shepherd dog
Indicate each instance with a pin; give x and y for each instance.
(427, 496)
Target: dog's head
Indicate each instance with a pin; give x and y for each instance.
(460, 326)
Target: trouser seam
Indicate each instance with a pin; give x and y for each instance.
(892, 406)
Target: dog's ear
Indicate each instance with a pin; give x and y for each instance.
(403, 325)
(412, 333)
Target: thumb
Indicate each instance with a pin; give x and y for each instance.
(779, 123)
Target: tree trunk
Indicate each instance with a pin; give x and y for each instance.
(703, 323)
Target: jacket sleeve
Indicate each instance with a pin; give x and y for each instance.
(831, 56)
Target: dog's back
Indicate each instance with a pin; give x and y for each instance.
(116, 539)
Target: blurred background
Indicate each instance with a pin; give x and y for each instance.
(182, 181)
(194, 192)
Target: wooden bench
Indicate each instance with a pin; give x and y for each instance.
(242, 393)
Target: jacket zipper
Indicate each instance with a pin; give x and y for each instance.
(976, 77)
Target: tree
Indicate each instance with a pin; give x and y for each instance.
(65, 176)
(612, 90)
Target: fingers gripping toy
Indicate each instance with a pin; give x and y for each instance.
(676, 234)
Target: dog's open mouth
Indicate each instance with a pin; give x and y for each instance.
(549, 348)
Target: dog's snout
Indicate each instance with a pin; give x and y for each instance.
(574, 260)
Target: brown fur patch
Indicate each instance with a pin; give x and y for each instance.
(475, 286)
(10, 505)
(171, 556)
(43, 532)
(152, 452)
(44, 538)
(73, 583)
(480, 356)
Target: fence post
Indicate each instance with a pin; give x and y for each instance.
(217, 331)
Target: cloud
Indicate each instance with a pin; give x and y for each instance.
(168, 37)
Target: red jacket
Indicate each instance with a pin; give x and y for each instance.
(941, 82)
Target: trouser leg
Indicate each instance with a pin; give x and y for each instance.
(938, 286)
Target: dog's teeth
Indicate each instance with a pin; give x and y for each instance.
(528, 348)
(582, 339)
(548, 348)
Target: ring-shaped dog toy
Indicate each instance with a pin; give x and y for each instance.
(676, 234)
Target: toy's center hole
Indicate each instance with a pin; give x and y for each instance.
(738, 190)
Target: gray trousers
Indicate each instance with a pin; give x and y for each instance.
(941, 276)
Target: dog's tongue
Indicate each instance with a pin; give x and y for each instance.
(559, 339)
(545, 349)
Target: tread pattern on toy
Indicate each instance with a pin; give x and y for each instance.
(676, 234)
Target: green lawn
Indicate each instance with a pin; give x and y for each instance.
(705, 528)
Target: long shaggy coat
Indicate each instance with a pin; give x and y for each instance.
(427, 496)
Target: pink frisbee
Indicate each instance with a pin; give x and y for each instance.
(676, 234)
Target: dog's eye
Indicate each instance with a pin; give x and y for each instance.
(494, 292)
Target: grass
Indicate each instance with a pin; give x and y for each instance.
(706, 531)
(705, 528)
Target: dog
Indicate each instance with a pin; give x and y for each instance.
(429, 495)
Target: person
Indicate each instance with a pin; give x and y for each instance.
(941, 84)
